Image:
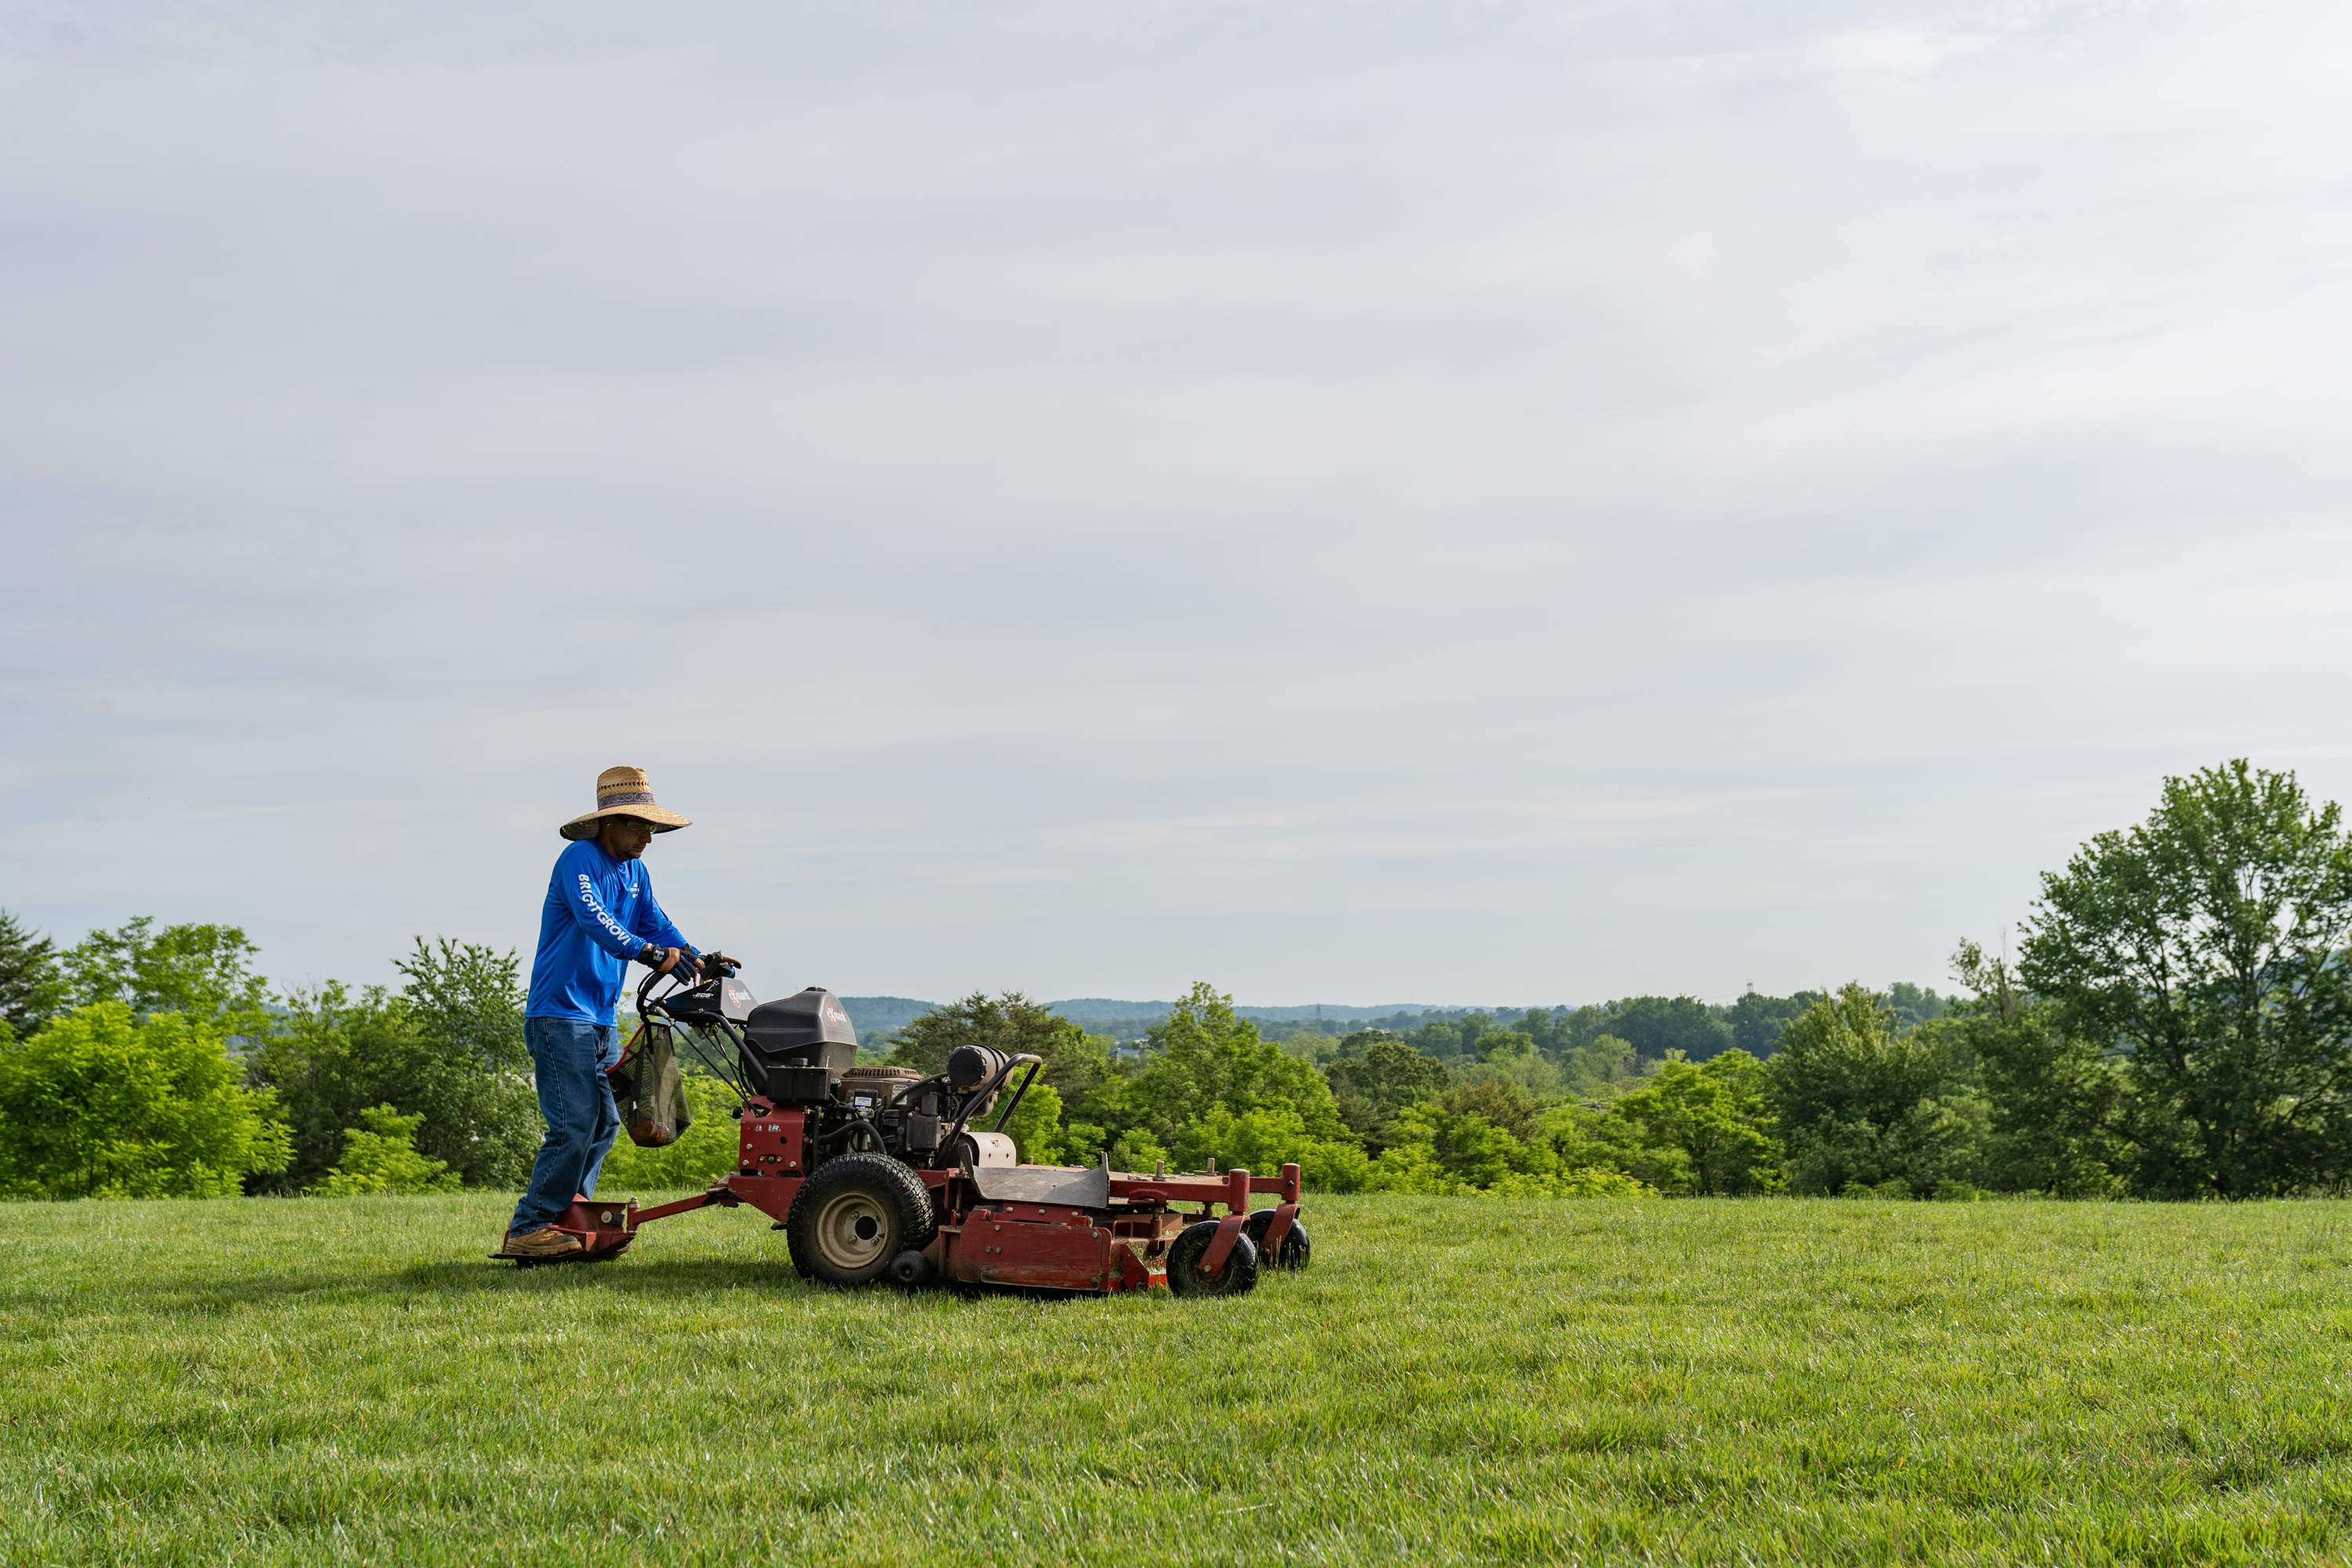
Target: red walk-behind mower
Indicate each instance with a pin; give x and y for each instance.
(874, 1170)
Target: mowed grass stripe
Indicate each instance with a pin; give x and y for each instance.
(1455, 1379)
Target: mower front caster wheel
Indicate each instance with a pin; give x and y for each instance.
(1185, 1276)
(1297, 1250)
(855, 1215)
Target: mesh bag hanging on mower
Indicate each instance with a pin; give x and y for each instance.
(650, 1088)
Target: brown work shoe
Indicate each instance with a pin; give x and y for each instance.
(545, 1242)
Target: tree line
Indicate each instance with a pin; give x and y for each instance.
(1656, 1026)
(2177, 1024)
(148, 1062)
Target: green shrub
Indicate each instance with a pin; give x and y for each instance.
(1263, 1139)
(1446, 1148)
(1137, 1150)
(101, 1103)
(1895, 1189)
(381, 1159)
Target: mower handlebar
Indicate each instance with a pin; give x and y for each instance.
(691, 966)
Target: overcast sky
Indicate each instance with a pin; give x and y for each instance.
(1376, 502)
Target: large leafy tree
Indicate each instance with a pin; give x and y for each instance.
(2206, 946)
(1598, 1063)
(204, 971)
(32, 986)
(105, 1103)
(2057, 1100)
(1395, 1075)
(1718, 1117)
(1660, 1024)
(1861, 1104)
(1756, 1020)
(446, 1048)
(334, 1057)
(1203, 1056)
(481, 1114)
(1382, 1077)
(1076, 1062)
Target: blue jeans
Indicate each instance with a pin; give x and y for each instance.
(569, 1058)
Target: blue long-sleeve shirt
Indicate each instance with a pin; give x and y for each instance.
(600, 913)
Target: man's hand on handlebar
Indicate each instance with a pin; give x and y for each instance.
(703, 966)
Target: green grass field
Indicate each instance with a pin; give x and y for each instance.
(1455, 1380)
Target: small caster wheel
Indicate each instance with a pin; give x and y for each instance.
(1296, 1249)
(1185, 1276)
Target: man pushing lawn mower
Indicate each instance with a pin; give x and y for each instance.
(600, 914)
(869, 1170)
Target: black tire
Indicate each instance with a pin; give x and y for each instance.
(912, 1268)
(1298, 1249)
(855, 1216)
(1237, 1278)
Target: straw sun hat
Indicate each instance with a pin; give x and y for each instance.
(622, 792)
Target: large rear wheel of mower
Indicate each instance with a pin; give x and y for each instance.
(1185, 1276)
(855, 1216)
(1296, 1249)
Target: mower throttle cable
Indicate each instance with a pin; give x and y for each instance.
(732, 1080)
(693, 1035)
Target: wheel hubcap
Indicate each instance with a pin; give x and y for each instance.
(852, 1231)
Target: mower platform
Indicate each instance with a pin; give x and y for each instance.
(602, 1230)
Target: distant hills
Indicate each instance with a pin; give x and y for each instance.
(1102, 1009)
(878, 1014)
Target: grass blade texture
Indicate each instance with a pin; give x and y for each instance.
(1454, 1381)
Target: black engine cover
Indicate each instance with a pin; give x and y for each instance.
(806, 1030)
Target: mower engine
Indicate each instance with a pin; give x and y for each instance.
(877, 1169)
